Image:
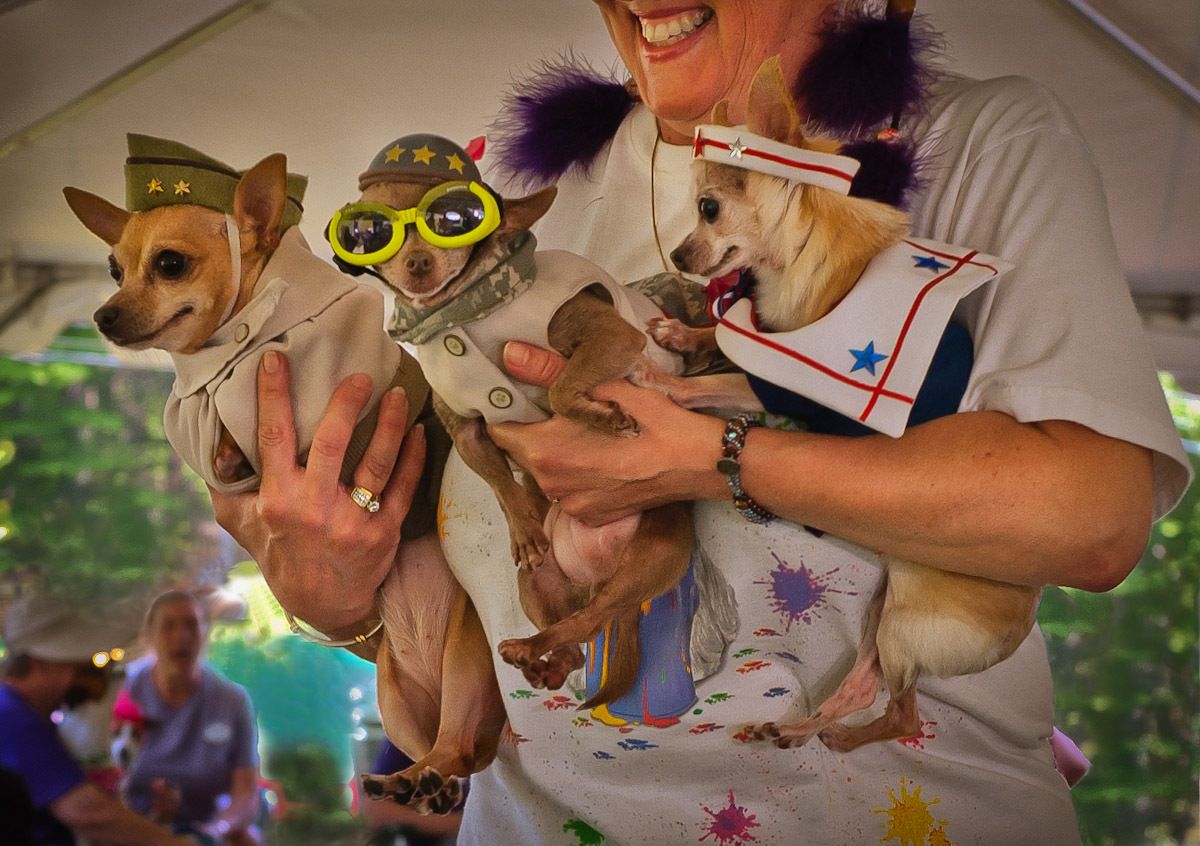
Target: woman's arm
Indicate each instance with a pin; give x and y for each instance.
(977, 492)
(323, 556)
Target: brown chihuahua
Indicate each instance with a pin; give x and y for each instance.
(459, 304)
(217, 275)
(807, 247)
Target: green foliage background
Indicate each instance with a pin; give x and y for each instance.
(94, 505)
(1125, 679)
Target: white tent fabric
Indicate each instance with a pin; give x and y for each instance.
(329, 83)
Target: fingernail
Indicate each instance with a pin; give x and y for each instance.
(361, 381)
(517, 354)
(270, 361)
(394, 394)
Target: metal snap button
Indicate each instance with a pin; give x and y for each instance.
(241, 333)
(500, 397)
(454, 345)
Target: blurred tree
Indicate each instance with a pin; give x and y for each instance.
(1125, 675)
(93, 502)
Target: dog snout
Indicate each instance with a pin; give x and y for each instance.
(680, 257)
(418, 263)
(106, 318)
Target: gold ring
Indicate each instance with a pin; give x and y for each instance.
(365, 499)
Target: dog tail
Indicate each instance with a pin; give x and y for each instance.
(621, 657)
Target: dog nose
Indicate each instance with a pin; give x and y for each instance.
(418, 263)
(106, 317)
(679, 258)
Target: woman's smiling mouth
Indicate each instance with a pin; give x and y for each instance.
(663, 31)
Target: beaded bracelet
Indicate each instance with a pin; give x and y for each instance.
(732, 443)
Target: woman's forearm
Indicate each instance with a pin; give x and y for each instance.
(980, 493)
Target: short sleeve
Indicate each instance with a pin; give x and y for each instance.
(1057, 338)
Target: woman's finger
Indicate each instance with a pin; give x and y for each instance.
(398, 493)
(333, 432)
(276, 430)
(379, 459)
(531, 364)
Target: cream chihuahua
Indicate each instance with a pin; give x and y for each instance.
(807, 247)
(175, 267)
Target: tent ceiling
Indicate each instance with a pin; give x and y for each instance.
(330, 82)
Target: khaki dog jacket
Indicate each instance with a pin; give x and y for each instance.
(463, 363)
(326, 324)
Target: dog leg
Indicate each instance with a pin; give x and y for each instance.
(857, 691)
(726, 391)
(468, 711)
(653, 561)
(599, 347)
(677, 336)
(229, 462)
(547, 596)
(524, 506)
(900, 719)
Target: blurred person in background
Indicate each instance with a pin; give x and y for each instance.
(52, 663)
(197, 766)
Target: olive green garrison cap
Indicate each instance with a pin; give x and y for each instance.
(160, 172)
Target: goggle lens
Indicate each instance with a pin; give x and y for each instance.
(455, 213)
(364, 233)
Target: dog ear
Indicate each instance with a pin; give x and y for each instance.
(720, 114)
(101, 217)
(523, 212)
(770, 111)
(259, 200)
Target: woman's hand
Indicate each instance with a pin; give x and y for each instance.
(599, 478)
(323, 556)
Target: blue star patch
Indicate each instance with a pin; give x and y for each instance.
(929, 262)
(866, 359)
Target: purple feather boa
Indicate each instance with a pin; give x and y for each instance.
(867, 70)
(557, 120)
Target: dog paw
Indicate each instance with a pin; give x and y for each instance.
(427, 791)
(668, 333)
(548, 672)
(398, 787)
(528, 542)
(839, 738)
(760, 731)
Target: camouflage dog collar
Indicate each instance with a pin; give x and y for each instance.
(498, 273)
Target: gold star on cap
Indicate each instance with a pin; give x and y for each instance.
(154, 186)
(182, 187)
(393, 155)
(456, 164)
(423, 154)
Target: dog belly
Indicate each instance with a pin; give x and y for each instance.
(587, 554)
(948, 624)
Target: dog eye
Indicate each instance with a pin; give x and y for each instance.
(170, 264)
(709, 208)
(114, 269)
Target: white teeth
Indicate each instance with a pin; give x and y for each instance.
(670, 32)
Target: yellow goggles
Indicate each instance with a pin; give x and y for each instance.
(453, 214)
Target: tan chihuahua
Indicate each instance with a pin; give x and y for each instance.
(581, 579)
(807, 247)
(191, 275)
